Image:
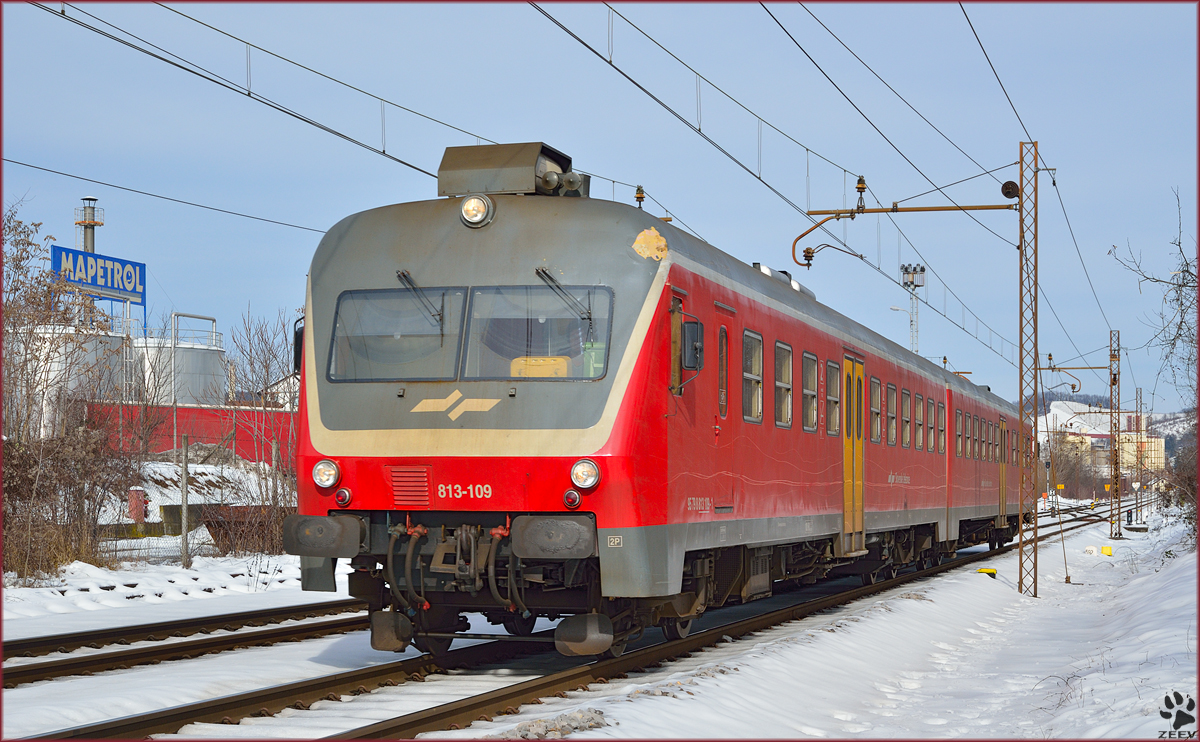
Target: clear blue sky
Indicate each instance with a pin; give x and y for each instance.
(1108, 90)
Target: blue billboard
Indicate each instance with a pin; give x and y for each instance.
(101, 275)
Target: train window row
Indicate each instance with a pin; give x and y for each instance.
(921, 424)
(917, 419)
(982, 439)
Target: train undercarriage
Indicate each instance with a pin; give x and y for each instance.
(419, 578)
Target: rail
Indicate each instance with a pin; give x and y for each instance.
(458, 714)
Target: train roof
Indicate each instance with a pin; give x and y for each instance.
(777, 285)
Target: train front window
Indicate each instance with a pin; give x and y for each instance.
(397, 334)
(538, 333)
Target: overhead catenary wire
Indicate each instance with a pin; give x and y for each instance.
(902, 99)
(218, 80)
(957, 182)
(383, 101)
(682, 119)
(165, 198)
(717, 88)
(323, 75)
(1053, 180)
(203, 73)
(877, 129)
(939, 131)
(1029, 137)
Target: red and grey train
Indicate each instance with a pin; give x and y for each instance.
(520, 401)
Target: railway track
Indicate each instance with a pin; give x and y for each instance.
(184, 650)
(458, 714)
(97, 638)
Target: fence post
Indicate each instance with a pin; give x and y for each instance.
(183, 509)
(274, 474)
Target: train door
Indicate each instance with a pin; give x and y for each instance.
(722, 437)
(853, 536)
(1002, 517)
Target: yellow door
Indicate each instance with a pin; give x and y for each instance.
(1002, 518)
(853, 536)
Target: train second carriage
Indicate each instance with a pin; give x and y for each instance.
(520, 401)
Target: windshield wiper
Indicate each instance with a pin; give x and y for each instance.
(576, 306)
(435, 315)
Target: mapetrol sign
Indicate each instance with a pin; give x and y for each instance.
(100, 275)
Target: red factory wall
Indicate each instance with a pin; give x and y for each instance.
(248, 431)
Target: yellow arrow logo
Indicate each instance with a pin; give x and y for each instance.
(467, 405)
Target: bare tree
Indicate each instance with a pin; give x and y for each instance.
(61, 468)
(261, 369)
(1173, 329)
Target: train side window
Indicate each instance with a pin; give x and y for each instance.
(850, 408)
(876, 417)
(783, 386)
(891, 414)
(723, 371)
(905, 418)
(931, 415)
(975, 437)
(958, 433)
(832, 397)
(809, 402)
(991, 441)
(752, 363)
(919, 422)
(941, 421)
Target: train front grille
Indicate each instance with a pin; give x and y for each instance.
(410, 486)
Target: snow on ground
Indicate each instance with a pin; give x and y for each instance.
(962, 655)
(88, 597)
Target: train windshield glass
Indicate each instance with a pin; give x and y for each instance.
(397, 334)
(551, 332)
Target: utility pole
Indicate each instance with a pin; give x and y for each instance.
(185, 558)
(1026, 193)
(912, 278)
(1028, 369)
(1114, 422)
(1141, 461)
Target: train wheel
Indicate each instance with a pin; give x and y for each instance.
(436, 646)
(869, 578)
(887, 572)
(616, 650)
(676, 628)
(993, 541)
(518, 625)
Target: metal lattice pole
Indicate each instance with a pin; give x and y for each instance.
(1114, 421)
(912, 319)
(1027, 542)
(1141, 457)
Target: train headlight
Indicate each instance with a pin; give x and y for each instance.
(326, 473)
(571, 499)
(585, 474)
(477, 210)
